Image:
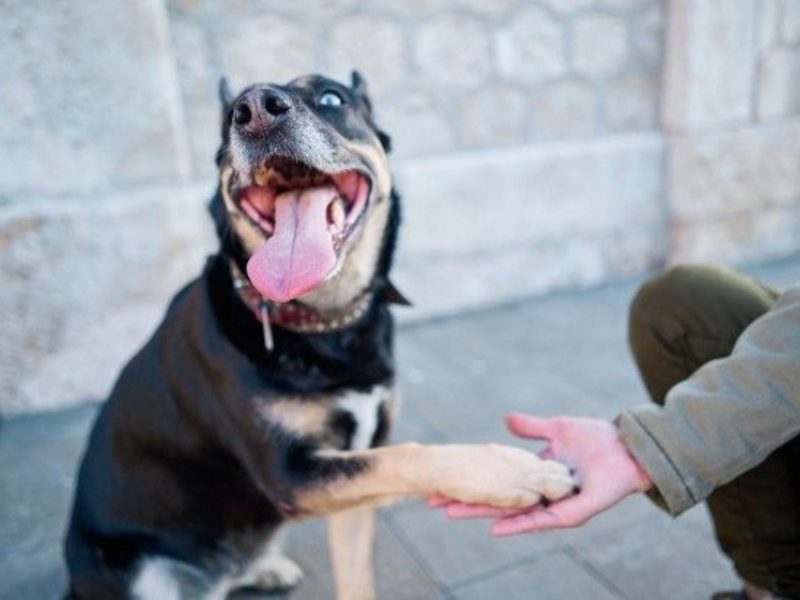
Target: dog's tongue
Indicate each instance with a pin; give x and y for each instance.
(300, 253)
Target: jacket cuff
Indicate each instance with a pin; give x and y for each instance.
(670, 491)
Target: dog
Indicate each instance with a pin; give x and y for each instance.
(266, 394)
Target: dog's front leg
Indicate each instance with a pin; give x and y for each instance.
(347, 485)
(351, 535)
(483, 474)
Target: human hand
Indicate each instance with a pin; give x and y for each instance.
(607, 470)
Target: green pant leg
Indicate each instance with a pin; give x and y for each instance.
(680, 320)
(687, 316)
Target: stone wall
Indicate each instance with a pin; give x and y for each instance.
(444, 76)
(493, 106)
(529, 149)
(98, 204)
(732, 125)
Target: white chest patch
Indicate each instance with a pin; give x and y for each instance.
(156, 581)
(365, 409)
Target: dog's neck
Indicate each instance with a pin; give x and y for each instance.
(358, 356)
(340, 301)
(298, 316)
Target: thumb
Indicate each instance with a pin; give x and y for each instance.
(531, 426)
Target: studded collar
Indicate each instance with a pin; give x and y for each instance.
(295, 315)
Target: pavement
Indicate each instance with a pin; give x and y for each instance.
(564, 353)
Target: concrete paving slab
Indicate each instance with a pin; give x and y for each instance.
(653, 557)
(457, 551)
(556, 575)
(397, 572)
(38, 455)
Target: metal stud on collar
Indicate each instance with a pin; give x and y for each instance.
(266, 326)
(301, 323)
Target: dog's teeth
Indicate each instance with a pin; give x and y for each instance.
(261, 176)
(336, 214)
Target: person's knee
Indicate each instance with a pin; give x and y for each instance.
(666, 293)
(682, 301)
(661, 313)
(709, 300)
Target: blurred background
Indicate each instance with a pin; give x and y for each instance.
(540, 146)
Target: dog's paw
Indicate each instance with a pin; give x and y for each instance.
(504, 476)
(278, 573)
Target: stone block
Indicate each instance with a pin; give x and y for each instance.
(373, 44)
(89, 98)
(568, 7)
(414, 9)
(475, 280)
(193, 59)
(309, 11)
(647, 36)
(737, 239)
(620, 5)
(790, 22)
(267, 48)
(779, 84)
(495, 115)
(600, 45)
(709, 64)
(487, 201)
(453, 49)
(631, 103)
(417, 120)
(198, 79)
(81, 281)
(203, 120)
(513, 223)
(564, 109)
(493, 8)
(532, 47)
(769, 15)
(745, 170)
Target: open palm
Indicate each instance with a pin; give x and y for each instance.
(607, 471)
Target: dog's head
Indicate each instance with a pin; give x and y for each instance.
(305, 192)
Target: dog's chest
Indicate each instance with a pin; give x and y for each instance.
(345, 420)
(366, 412)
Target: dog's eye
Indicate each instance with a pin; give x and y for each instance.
(330, 98)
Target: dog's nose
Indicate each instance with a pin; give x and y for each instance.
(275, 103)
(258, 110)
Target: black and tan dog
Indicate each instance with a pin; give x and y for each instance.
(268, 397)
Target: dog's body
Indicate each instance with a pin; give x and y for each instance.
(223, 428)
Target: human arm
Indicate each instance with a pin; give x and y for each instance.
(722, 421)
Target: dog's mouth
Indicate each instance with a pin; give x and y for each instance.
(306, 216)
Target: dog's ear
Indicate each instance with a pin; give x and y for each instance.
(225, 94)
(385, 140)
(359, 86)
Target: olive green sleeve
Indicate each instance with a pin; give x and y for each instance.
(727, 417)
